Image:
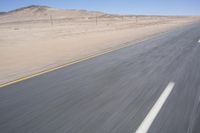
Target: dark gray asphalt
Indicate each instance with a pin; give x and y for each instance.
(112, 93)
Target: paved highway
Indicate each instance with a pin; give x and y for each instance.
(115, 92)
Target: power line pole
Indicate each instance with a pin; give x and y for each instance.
(136, 19)
(51, 20)
(96, 20)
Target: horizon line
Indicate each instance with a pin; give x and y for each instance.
(106, 12)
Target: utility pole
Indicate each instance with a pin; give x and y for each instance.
(51, 20)
(136, 19)
(96, 20)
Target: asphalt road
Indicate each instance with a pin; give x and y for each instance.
(113, 93)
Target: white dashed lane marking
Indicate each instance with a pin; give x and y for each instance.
(146, 123)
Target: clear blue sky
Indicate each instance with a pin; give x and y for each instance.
(141, 7)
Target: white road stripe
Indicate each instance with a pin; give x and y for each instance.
(198, 41)
(146, 123)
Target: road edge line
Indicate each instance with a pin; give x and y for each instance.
(123, 45)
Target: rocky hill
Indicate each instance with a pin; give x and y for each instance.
(35, 12)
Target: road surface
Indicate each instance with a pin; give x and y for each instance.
(114, 92)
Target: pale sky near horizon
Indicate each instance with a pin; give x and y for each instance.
(138, 7)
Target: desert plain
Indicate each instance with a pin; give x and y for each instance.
(38, 38)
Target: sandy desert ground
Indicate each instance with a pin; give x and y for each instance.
(38, 38)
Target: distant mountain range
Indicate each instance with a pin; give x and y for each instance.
(2, 13)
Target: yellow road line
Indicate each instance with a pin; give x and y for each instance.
(127, 44)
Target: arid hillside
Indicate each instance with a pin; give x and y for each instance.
(44, 13)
